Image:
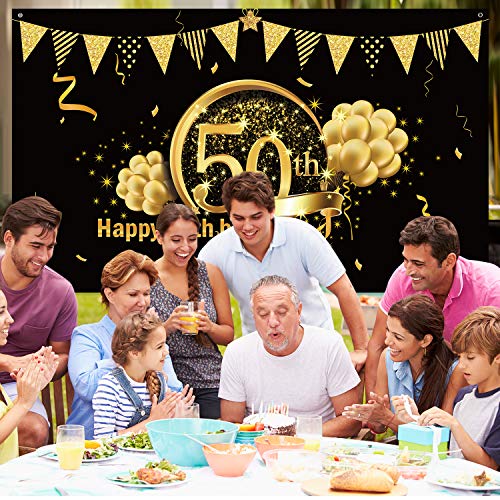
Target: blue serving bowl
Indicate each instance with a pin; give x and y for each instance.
(169, 440)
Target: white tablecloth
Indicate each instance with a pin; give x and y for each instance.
(32, 474)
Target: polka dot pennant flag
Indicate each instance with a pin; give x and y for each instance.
(372, 47)
(128, 49)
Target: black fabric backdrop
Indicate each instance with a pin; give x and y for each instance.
(48, 159)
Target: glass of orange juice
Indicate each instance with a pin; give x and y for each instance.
(70, 445)
(310, 428)
(191, 307)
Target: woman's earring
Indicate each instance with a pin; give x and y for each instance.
(425, 351)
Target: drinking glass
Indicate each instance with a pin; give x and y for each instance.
(192, 411)
(70, 445)
(310, 428)
(191, 308)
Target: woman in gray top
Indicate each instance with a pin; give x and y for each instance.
(196, 358)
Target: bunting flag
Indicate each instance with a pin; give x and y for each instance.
(195, 43)
(128, 48)
(273, 36)
(162, 47)
(339, 47)
(96, 46)
(438, 42)
(405, 47)
(30, 36)
(63, 43)
(228, 37)
(372, 47)
(471, 36)
(306, 43)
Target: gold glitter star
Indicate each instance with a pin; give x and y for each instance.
(166, 135)
(77, 158)
(314, 104)
(337, 225)
(289, 152)
(369, 191)
(126, 146)
(123, 215)
(415, 138)
(438, 158)
(84, 153)
(196, 210)
(274, 134)
(250, 21)
(406, 168)
(99, 157)
(206, 185)
(420, 121)
(322, 138)
(339, 115)
(91, 173)
(421, 174)
(243, 123)
(394, 194)
(96, 201)
(403, 122)
(356, 203)
(113, 202)
(384, 182)
(106, 182)
(114, 165)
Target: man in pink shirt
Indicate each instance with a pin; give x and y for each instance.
(42, 303)
(432, 266)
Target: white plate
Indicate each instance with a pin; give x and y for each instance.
(137, 450)
(356, 444)
(52, 455)
(451, 468)
(111, 477)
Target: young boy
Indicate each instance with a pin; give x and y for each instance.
(475, 423)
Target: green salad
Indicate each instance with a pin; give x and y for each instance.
(106, 449)
(139, 441)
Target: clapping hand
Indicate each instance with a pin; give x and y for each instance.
(166, 408)
(399, 406)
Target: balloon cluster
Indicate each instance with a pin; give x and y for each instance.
(146, 184)
(362, 143)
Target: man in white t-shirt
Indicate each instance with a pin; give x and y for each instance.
(305, 367)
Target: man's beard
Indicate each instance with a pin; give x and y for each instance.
(277, 348)
(21, 266)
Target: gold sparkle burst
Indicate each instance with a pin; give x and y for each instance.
(196, 210)
(321, 138)
(356, 203)
(394, 194)
(339, 115)
(398, 181)
(207, 185)
(420, 121)
(91, 172)
(84, 153)
(99, 157)
(438, 158)
(166, 135)
(384, 182)
(123, 215)
(289, 152)
(96, 201)
(314, 103)
(274, 134)
(301, 212)
(126, 146)
(421, 174)
(77, 158)
(326, 174)
(415, 138)
(243, 123)
(369, 191)
(337, 225)
(113, 202)
(403, 122)
(406, 168)
(106, 182)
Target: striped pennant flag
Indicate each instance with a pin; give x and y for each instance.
(438, 42)
(306, 43)
(195, 42)
(63, 43)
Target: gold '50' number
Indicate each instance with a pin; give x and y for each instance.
(200, 191)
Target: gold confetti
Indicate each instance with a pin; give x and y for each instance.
(358, 265)
(426, 205)
(62, 120)
(303, 82)
(79, 257)
(155, 111)
(458, 154)
(116, 70)
(214, 68)
(71, 107)
(250, 20)
(462, 116)
(431, 78)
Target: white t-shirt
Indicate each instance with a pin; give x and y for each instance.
(318, 369)
(298, 252)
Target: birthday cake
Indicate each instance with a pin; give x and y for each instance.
(274, 423)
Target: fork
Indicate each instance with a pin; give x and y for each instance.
(61, 491)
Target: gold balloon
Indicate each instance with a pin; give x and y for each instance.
(387, 116)
(333, 153)
(355, 156)
(382, 152)
(154, 157)
(158, 172)
(121, 190)
(363, 108)
(332, 131)
(142, 169)
(356, 127)
(136, 184)
(134, 202)
(379, 129)
(136, 160)
(124, 175)
(391, 169)
(151, 208)
(367, 177)
(342, 109)
(398, 139)
(156, 192)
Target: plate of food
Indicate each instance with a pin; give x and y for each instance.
(137, 442)
(95, 451)
(153, 475)
(461, 474)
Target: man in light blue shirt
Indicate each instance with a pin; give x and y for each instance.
(260, 244)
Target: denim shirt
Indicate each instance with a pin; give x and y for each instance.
(400, 379)
(90, 358)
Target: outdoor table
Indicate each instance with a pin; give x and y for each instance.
(31, 474)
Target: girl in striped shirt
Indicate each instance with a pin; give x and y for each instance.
(136, 391)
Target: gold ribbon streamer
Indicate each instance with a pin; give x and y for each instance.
(431, 78)
(116, 70)
(462, 116)
(426, 205)
(346, 195)
(178, 34)
(71, 107)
